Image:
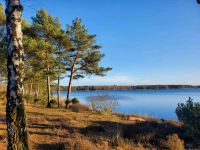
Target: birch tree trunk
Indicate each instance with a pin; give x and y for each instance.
(15, 112)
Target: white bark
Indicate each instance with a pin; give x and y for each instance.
(15, 113)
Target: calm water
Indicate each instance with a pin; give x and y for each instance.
(154, 103)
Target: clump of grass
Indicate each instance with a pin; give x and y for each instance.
(79, 144)
(125, 144)
(173, 142)
(3, 94)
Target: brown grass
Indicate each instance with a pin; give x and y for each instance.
(57, 129)
(3, 93)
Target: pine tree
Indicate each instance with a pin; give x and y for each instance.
(35, 70)
(84, 57)
(47, 28)
(63, 44)
(15, 111)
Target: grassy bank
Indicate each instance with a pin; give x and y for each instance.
(88, 130)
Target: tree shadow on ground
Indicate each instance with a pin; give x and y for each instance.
(41, 127)
(148, 133)
(55, 146)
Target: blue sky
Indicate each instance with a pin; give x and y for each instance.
(145, 41)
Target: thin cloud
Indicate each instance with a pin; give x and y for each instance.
(109, 80)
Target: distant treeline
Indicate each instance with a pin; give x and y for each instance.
(115, 87)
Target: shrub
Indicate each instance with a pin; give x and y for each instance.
(174, 143)
(67, 102)
(75, 101)
(189, 114)
(105, 103)
(52, 102)
(36, 101)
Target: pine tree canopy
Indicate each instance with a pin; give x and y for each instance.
(85, 56)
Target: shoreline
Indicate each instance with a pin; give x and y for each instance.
(116, 87)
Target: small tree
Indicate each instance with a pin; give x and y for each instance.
(189, 113)
(84, 56)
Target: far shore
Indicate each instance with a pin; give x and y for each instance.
(117, 87)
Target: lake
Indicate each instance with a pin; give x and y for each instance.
(153, 103)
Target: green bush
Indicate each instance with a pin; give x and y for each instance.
(75, 101)
(189, 114)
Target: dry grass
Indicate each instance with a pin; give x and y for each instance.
(3, 93)
(57, 129)
(174, 143)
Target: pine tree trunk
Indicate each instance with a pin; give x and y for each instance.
(48, 81)
(15, 112)
(59, 69)
(58, 92)
(48, 91)
(37, 91)
(30, 89)
(71, 77)
(29, 92)
(69, 86)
